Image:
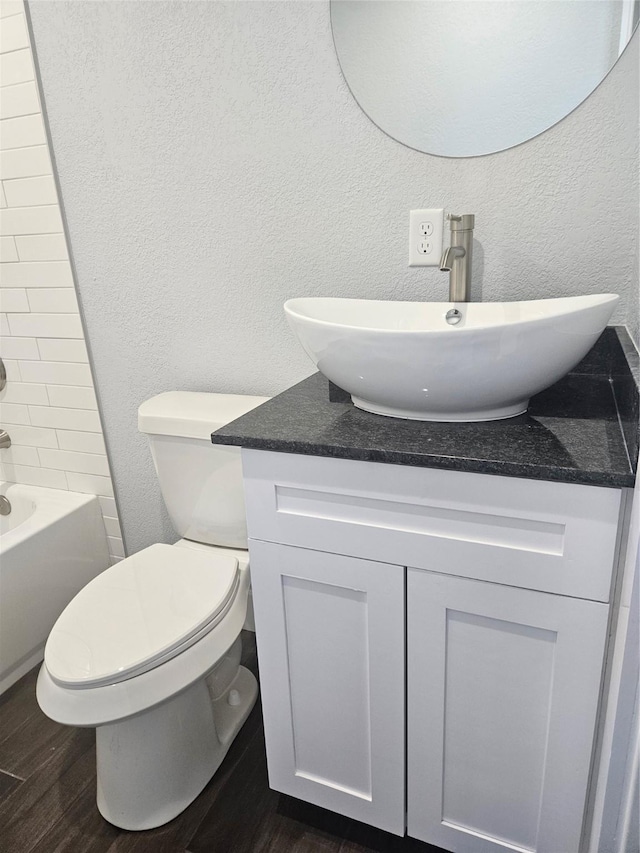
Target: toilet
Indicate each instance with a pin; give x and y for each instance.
(149, 651)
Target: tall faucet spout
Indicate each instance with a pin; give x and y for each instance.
(448, 257)
(456, 260)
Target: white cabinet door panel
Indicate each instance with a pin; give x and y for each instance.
(330, 634)
(503, 687)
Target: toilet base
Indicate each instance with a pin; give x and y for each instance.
(152, 766)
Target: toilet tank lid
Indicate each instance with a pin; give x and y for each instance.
(193, 414)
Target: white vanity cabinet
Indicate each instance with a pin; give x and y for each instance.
(505, 584)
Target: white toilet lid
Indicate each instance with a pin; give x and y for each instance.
(139, 613)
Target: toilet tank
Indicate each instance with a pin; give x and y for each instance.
(201, 483)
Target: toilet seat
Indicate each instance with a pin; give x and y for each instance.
(139, 614)
(112, 703)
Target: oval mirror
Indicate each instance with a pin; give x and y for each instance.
(461, 78)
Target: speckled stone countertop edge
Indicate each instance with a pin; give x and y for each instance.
(612, 479)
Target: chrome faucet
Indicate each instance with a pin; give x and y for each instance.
(456, 260)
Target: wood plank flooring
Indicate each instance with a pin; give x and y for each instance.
(47, 797)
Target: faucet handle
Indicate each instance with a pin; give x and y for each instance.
(465, 222)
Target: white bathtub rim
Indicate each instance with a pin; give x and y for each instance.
(50, 506)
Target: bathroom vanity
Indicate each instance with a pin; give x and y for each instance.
(432, 606)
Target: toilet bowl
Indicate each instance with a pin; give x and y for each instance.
(148, 653)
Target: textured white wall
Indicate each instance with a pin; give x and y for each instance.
(213, 163)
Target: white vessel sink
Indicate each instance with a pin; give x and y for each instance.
(404, 360)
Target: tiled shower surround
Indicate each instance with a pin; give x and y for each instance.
(49, 405)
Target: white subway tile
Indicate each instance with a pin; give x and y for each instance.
(16, 67)
(3, 198)
(116, 546)
(113, 560)
(13, 299)
(44, 219)
(8, 251)
(11, 7)
(26, 192)
(4, 326)
(34, 476)
(13, 34)
(83, 442)
(7, 473)
(68, 460)
(13, 413)
(61, 349)
(90, 484)
(53, 300)
(112, 526)
(19, 392)
(25, 162)
(22, 132)
(67, 397)
(19, 100)
(26, 348)
(31, 436)
(38, 274)
(75, 419)
(19, 455)
(42, 247)
(72, 397)
(57, 373)
(46, 325)
(12, 369)
(108, 507)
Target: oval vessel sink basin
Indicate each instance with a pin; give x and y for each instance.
(405, 360)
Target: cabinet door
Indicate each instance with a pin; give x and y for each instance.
(503, 688)
(330, 635)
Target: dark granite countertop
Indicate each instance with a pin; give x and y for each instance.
(584, 429)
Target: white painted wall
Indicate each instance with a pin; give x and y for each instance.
(48, 406)
(213, 163)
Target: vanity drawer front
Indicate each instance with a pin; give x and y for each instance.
(553, 537)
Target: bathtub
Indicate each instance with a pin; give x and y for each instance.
(51, 545)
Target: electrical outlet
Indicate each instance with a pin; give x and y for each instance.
(425, 237)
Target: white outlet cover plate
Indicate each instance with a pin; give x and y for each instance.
(426, 227)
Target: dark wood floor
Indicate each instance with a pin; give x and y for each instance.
(47, 797)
